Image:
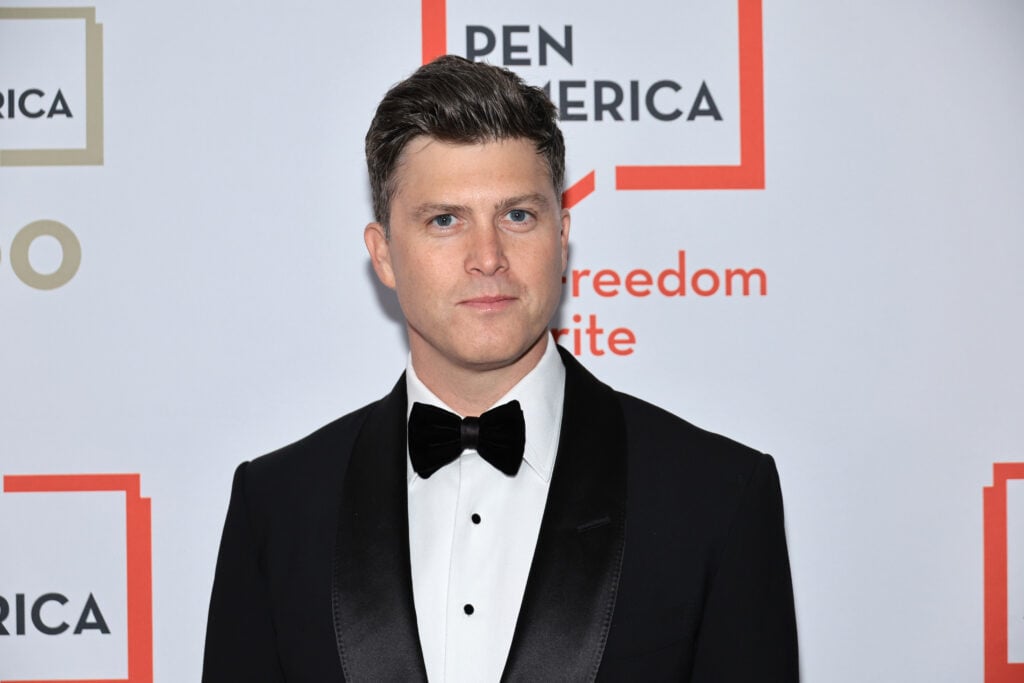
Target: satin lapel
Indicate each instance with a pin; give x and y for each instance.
(374, 613)
(570, 595)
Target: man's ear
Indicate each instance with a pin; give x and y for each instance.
(564, 236)
(380, 253)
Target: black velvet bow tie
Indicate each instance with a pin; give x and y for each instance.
(437, 437)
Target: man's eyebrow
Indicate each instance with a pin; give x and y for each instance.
(425, 209)
(437, 209)
(535, 198)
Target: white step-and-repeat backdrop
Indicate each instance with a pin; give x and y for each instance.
(796, 223)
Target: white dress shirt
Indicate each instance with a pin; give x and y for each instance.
(472, 533)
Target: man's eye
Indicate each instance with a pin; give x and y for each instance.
(444, 220)
(517, 215)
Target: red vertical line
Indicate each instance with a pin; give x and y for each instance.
(751, 75)
(435, 32)
(995, 578)
(140, 589)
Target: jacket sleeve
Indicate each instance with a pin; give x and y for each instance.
(748, 630)
(240, 636)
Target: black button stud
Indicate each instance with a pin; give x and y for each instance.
(467, 608)
(475, 518)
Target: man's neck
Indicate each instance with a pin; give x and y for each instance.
(470, 391)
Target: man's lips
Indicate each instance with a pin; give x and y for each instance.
(489, 302)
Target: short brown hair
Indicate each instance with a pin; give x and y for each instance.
(455, 100)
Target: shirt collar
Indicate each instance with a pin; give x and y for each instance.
(540, 395)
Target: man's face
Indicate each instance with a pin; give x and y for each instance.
(477, 249)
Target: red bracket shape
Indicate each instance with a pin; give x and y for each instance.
(998, 668)
(138, 517)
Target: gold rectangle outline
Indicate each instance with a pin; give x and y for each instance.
(92, 154)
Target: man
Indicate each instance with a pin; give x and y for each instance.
(567, 532)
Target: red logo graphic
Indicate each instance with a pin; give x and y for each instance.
(747, 175)
(139, 554)
(998, 668)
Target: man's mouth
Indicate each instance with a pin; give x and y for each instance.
(495, 302)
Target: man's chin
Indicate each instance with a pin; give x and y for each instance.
(504, 356)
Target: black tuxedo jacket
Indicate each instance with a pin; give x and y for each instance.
(661, 556)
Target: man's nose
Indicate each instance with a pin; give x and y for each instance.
(486, 253)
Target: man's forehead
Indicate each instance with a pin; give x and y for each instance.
(428, 161)
(422, 143)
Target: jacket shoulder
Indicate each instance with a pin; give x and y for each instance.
(308, 463)
(688, 465)
(651, 425)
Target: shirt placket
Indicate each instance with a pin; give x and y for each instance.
(470, 605)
